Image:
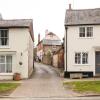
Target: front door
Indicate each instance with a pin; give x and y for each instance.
(97, 62)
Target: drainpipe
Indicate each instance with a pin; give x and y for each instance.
(65, 43)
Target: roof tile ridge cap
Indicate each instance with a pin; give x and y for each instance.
(83, 9)
(16, 19)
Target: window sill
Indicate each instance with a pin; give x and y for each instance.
(6, 73)
(85, 38)
(4, 47)
(81, 64)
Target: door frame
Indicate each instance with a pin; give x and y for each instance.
(95, 63)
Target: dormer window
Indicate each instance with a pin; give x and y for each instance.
(4, 37)
(86, 32)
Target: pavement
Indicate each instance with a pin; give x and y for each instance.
(45, 84)
(71, 98)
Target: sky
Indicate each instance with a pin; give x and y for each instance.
(46, 14)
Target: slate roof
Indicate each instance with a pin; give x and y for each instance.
(50, 39)
(15, 23)
(82, 17)
(51, 42)
(18, 23)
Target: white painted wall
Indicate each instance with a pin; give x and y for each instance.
(18, 43)
(30, 56)
(77, 44)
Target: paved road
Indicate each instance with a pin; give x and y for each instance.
(45, 84)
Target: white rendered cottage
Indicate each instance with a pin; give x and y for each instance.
(16, 48)
(82, 42)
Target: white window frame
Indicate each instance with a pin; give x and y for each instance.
(5, 62)
(90, 32)
(82, 32)
(4, 46)
(86, 27)
(81, 59)
(76, 57)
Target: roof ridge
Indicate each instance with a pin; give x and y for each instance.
(15, 19)
(83, 9)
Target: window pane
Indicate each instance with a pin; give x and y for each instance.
(3, 37)
(3, 41)
(2, 59)
(6, 33)
(2, 68)
(9, 68)
(77, 58)
(6, 41)
(9, 59)
(9, 63)
(84, 58)
(2, 33)
(82, 31)
(89, 31)
(5, 64)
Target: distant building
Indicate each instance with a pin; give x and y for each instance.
(50, 43)
(58, 58)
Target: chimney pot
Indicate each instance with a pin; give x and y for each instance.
(38, 38)
(46, 32)
(70, 8)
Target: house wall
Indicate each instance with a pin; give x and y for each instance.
(77, 44)
(58, 59)
(61, 58)
(40, 51)
(55, 60)
(50, 48)
(30, 56)
(18, 48)
(46, 49)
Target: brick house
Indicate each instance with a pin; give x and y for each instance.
(58, 58)
(50, 43)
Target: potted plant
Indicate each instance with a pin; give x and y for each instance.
(17, 76)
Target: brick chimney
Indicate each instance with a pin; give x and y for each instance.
(70, 8)
(46, 32)
(38, 38)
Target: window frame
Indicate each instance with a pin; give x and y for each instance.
(5, 37)
(5, 63)
(81, 58)
(77, 61)
(81, 33)
(90, 32)
(86, 32)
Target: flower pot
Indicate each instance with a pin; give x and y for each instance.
(17, 77)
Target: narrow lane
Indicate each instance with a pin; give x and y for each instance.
(45, 82)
